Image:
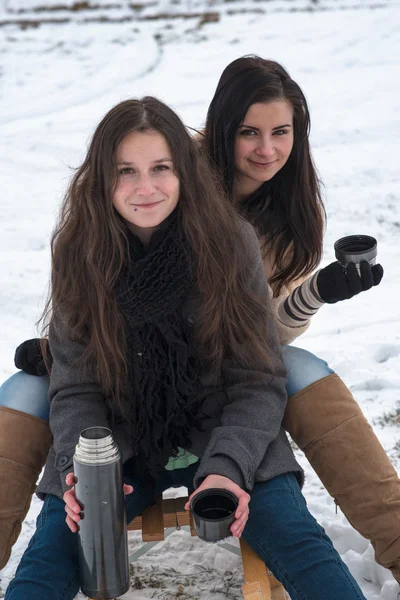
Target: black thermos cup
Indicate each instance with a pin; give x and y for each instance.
(213, 513)
(103, 546)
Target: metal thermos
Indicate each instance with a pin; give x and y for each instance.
(103, 547)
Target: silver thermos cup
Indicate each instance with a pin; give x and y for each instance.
(103, 546)
(355, 248)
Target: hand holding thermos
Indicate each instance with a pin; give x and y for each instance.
(73, 508)
(354, 271)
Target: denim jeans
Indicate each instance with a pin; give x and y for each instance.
(29, 393)
(26, 393)
(280, 529)
(303, 367)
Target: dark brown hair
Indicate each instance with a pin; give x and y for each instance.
(89, 247)
(287, 211)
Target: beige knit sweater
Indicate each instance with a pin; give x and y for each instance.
(286, 333)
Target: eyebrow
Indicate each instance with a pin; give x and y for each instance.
(156, 162)
(273, 129)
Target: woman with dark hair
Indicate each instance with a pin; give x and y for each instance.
(256, 135)
(164, 336)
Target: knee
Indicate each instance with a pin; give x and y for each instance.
(26, 393)
(303, 367)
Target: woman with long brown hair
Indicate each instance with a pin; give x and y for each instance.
(160, 329)
(257, 136)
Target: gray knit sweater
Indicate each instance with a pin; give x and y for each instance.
(243, 438)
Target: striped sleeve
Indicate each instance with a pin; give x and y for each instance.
(301, 304)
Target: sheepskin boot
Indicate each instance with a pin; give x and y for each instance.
(327, 424)
(24, 444)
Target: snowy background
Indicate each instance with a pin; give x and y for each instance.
(63, 66)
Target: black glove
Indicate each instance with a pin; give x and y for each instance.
(29, 358)
(336, 283)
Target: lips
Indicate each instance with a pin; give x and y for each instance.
(147, 205)
(262, 165)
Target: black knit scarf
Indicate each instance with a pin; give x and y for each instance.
(163, 368)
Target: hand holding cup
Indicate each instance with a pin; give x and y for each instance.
(354, 271)
(219, 507)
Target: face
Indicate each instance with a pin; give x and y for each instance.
(147, 189)
(263, 144)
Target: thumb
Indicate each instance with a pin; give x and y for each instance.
(128, 489)
(187, 505)
(377, 273)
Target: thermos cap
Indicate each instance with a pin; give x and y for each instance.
(213, 493)
(213, 513)
(355, 248)
(96, 446)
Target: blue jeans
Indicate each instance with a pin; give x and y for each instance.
(303, 367)
(26, 393)
(29, 393)
(280, 529)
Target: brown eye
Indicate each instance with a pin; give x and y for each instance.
(280, 132)
(247, 133)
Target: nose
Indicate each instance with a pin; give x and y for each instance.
(145, 186)
(266, 148)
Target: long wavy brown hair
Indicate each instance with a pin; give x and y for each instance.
(89, 247)
(287, 211)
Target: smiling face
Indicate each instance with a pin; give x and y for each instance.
(147, 189)
(263, 145)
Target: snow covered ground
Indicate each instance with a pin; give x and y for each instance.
(60, 76)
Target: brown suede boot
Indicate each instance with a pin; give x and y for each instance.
(326, 422)
(24, 444)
